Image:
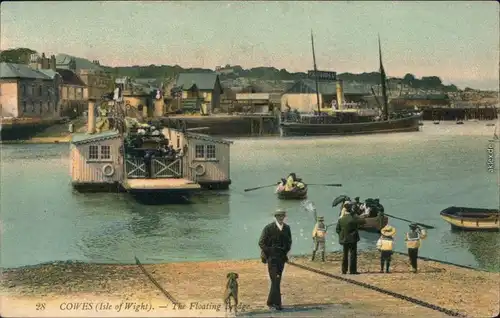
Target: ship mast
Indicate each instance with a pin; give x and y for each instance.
(383, 82)
(315, 74)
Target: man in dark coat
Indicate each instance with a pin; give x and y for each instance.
(275, 242)
(347, 229)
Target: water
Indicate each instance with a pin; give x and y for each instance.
(416, 175)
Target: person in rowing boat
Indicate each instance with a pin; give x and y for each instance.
(356, 206)
(299, 184)
(281, 185)
(290, 180)
(346, 208)
(365, 209)
(413, 239)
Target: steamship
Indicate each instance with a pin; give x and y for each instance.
(348, 122)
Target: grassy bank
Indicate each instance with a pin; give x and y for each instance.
(474, 293)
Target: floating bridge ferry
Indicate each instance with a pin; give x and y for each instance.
(164, 164)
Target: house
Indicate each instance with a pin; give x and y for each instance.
(95, 77)
(27, 92)
(204, 88)
(138, 98)
(72, 91)
(302, 94)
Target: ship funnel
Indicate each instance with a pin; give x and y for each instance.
(91, 117)
(340, 94)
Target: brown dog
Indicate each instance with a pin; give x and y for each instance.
(231, 292)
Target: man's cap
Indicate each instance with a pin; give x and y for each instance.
(279, 212)
(321, 218)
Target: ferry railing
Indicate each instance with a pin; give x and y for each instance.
(166, 168)
(135, 168)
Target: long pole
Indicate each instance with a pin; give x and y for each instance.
(383, 82)
(315, 74)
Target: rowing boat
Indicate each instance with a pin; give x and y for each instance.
(295, 194)
(471, 219)
(373, 225)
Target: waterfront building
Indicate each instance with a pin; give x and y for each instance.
(200, 91)
(28, 93)
(95, 77)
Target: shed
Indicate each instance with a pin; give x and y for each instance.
(206, 159)
(97, 161)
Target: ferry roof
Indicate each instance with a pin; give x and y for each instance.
(207, 138)
(84, 138)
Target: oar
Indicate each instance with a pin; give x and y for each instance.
(326, 184)
(257, 188)
(421, 224)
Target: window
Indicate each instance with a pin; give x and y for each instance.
(211, 152)
(105, 152)
(23, 89)
(32, 107)
(40, 90)
(205, 152)
(25, 107)
(41, 107)
(199, 152)
(93, 152)
(49, 106)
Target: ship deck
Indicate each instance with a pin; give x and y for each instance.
(163, 184)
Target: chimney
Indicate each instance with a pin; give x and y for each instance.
(44, 62)
(91, 117)
(53, 62)
(340, 94)
(34, 61)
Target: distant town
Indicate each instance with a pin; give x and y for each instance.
(35, 85)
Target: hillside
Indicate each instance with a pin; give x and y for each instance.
(19, 55)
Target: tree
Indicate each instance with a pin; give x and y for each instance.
(431, 81)
(409, 78)
(18, 55)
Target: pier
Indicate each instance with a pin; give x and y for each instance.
(238, 125)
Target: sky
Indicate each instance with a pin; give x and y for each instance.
(457, 40)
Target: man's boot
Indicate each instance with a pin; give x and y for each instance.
(313, 256)
(322, 256)
(387, 265)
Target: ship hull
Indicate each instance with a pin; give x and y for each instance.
(390, 126)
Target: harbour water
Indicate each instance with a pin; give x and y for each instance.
(415, 175)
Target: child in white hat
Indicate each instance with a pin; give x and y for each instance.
(385, 244)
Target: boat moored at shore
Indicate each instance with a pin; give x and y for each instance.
(389, 126)
(471, 219)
